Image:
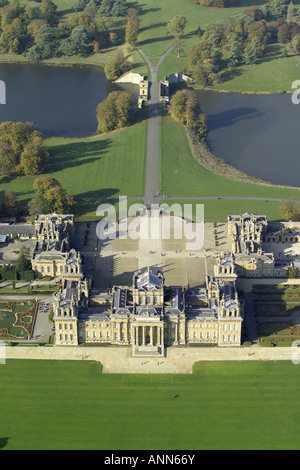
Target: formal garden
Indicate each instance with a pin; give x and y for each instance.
(277, 311)
(17, 319)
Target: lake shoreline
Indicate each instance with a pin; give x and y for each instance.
(203, 155)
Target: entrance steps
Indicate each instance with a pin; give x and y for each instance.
(147, 351)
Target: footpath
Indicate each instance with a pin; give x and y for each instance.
(178, 360)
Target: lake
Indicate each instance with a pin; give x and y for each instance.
(61, 101)
(257, 134)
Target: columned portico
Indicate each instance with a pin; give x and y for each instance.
(148, 339)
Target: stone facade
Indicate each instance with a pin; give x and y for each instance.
(148, 316)
(247, 258)
(52, 254)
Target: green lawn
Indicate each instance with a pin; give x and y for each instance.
(218, 210)
(274, 73)
(181, 176)
(93, 168)
(154, 16)
(223, 405)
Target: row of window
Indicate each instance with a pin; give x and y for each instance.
(230, 327)
(66, 337)
(65, 326)
(195, 336)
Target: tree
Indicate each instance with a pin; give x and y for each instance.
(252, 51)
(79, 5)
(290, 210)
(292, 272)
(199, 32)
(80, 39)
(205, 73)
(43, 183)
(23, 263)
(198, 53)
(290, 13)
(131, 32)
(116, 111)
(34, 156)
(48, 12)
(294, 46)
(235, 48)
(37, 205)
(119, 8)
(10, 206)
(117, 66)
(57, 200)
(185, 108)
(176, 25)
(52, 193)
(179, 47)
(14, 137)
(255, 13)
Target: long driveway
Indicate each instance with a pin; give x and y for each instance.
(152, 163)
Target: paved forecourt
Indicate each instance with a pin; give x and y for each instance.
(178, 360)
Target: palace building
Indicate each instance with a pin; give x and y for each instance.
(148, 315)
(52, 254)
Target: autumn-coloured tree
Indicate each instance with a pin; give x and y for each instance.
(34, 156)
(116, 111)
(51, 196)
(185, 108)
(131, 33)
(290, 210)
(17, 139)
(177, 25)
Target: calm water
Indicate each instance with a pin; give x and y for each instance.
(258, 134)
(61, 101)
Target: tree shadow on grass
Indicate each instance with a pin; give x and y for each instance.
(3, 442)
(76, 154)
(152, 26)
(273, 52)
(141, 9)
(152, 40)
(230, 74)
(90, 200)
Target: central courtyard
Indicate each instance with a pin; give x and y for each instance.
(114, 261)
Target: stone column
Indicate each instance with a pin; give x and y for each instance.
(176, 332)
(143, 335)
(162, 335)
(151, 335)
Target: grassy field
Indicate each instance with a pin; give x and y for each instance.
(154, 16)
(218, 210)
(93, 168)
(274, 73)
(181, 175)
(71, 405)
